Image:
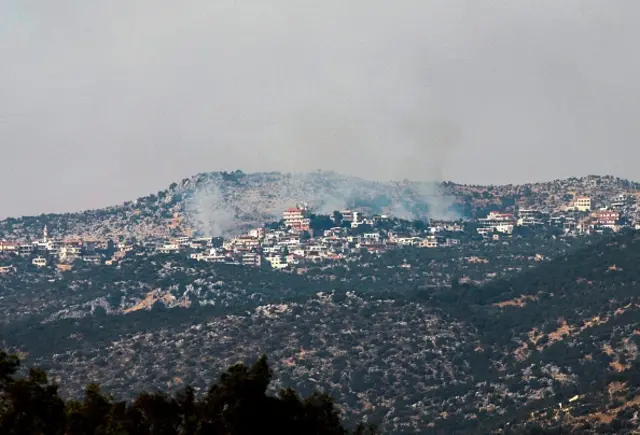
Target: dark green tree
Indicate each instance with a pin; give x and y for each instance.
(238, 404)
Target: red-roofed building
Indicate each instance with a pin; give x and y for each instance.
(296, 218)
(607, 218)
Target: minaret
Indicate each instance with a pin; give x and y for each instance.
(45, 234)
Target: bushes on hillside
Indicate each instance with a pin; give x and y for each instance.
(236, 404)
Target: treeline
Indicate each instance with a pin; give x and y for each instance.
(237, 404)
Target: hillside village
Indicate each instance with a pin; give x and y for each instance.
(302, 237)
(359, 301)
(501, 329)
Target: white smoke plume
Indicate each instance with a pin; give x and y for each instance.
(362, 87)
(208, 211)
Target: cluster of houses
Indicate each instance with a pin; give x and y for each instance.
(578, 218)
(63, 253)
(296, 242)
(292, 242)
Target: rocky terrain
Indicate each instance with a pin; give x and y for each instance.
(220, 203)
(542, 331)
(532, 332)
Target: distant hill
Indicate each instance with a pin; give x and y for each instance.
(219, 203)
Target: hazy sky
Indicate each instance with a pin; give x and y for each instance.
(102, 101)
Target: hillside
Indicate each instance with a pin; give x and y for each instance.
(397, 339)
(236, 404)
(219, 203)
(571, 324)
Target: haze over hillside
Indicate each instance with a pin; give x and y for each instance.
(189, 185)
(219, 203)
(152, 91)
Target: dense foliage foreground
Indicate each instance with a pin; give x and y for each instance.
(236, 404)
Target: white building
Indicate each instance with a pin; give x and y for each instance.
(496, 222)
(277, 262)
(169, 247)
(350, 215)
(582, 203)
(530, 218)
(429, 242)
(39, 262)
(372, 236)
(257, 233)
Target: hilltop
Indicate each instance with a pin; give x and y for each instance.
(220, 203)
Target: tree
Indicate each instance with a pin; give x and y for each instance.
(29, 405)
(237, 404)
(320, 223)
(337, 218)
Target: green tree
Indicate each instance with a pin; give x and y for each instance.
(238, 404)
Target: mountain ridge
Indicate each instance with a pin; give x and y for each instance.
(218, 203)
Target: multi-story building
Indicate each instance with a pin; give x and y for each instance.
(582, 203)
(496, 222)
(292, 215)
(429, 242)
(297, 218)
(251, 259)
(26, 249)
(350, 215)
(246, 242)
(621, 201)
(302, 225)
(166, 248)
(257, 233)
(277, 262)
(607, 219)
(372, 236)
(530, 217)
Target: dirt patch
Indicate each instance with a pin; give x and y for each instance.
(522, 353)
(560, 377)
(146, 303)
(607, 417)
(616, 387)
(615, 365)
(621, 310)
(608, 350)
(563, 331)
(594, 321)
(535, 336)
(559, 334)
(516, 302)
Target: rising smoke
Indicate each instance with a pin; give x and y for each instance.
(342, 87)
(209, 213)
(213, 206)
(297, 85)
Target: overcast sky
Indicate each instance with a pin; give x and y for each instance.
(103, 101)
